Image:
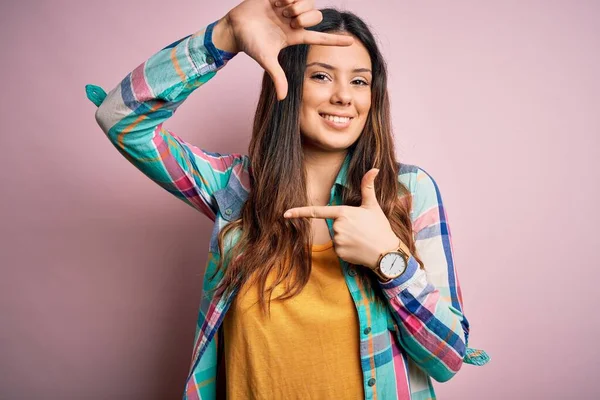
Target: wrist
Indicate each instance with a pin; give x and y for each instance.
(390, 244)
(394, 245)
(223, 37)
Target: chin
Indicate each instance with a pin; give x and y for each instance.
(331, 145)
(329, 139)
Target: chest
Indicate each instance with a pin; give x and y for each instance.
(319, 231)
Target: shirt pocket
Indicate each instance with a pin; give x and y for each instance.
(229, 203)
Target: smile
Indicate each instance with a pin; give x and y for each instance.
(336, 122)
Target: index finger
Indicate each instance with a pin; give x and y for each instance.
(328, 212)
(324, 39)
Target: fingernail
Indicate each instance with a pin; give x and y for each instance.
(277, 4)
(287, 214)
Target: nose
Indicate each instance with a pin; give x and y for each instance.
(341, 94)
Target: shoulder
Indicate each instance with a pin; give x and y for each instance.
(422, 186)
(416, 179)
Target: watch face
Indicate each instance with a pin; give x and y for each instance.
(392, 264)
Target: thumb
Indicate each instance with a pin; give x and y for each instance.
(271, 65)
(367, 188)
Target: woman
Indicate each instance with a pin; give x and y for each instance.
(353, 294)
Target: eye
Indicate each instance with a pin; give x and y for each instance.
(319, 75)
(363, 83)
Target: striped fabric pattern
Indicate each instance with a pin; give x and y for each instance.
(423, 334)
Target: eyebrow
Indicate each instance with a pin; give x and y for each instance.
(331, 67)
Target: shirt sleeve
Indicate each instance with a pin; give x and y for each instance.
(133, 113)
(427, 304)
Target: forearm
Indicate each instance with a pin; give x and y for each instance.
(429, 328)
(151, 93)
(132, 116)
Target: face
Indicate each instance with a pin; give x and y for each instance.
(336, 97)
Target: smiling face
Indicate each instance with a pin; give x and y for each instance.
(336, 96)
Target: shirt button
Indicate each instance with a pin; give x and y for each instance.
(228, 211)
(210, 59)
(371, 382)
(352, 272)
(367, 330)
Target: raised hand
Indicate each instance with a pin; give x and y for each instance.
(362, 233)
(261, 28)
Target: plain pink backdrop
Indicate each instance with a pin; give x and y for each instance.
(101, 268)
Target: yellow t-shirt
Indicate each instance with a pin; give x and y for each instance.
(308, 349)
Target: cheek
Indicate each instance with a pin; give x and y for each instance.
(306, 108)
(308, 116)
(363, 104)
(304, 120)
(364, 108)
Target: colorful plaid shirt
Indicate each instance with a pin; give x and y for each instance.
(423, 334)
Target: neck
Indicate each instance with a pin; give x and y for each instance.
(321, 170)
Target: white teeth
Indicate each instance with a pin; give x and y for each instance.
(339, 120)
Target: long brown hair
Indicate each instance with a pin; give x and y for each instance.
(278, 178)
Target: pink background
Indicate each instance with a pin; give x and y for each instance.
(101, 268)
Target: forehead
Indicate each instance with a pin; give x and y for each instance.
(342, 57)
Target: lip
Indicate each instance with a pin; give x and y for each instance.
(336, 115)
(336, 125)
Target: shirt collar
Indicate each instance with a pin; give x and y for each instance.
(340, 179)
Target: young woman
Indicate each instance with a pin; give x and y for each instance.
(353, 293)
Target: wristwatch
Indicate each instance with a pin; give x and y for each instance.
(392, 264)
